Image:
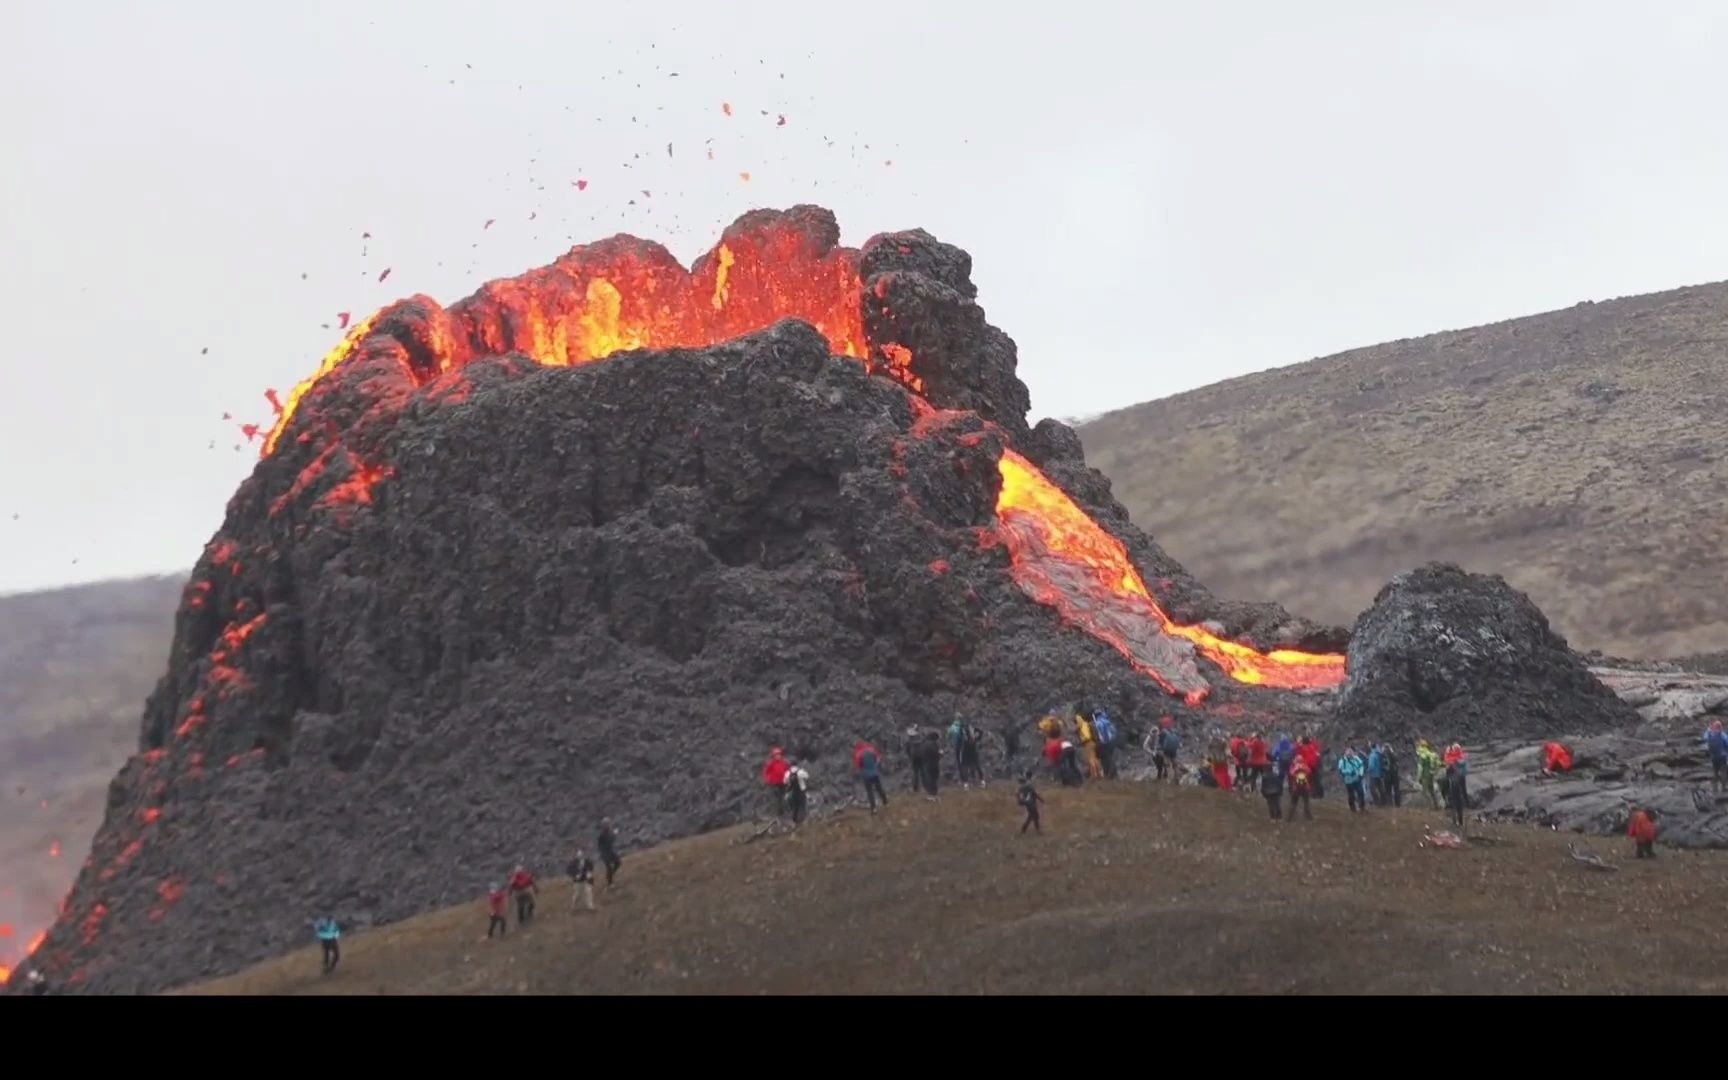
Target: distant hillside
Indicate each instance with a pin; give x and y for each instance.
(75, 667)
(1580, 453)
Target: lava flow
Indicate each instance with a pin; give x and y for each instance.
(1064, 559)
(624, 294)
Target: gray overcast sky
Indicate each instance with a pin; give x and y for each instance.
(1156, 196)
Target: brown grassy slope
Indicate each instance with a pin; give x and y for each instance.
(1132, 888)
(1581, 453)
(75, 667)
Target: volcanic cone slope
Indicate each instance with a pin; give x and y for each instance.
(482, 590)
(1445, 653)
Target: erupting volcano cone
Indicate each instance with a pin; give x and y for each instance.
(477, 569)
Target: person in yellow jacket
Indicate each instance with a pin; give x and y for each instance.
(1089, 746)
(1050, 727)
(1427, 770)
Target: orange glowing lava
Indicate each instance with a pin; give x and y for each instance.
(1064, 559)
(624, 294)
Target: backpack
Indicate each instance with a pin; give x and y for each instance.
(1105, 730)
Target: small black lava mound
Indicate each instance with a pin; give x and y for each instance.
(1449, 655)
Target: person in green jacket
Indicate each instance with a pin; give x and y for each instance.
(1427, 770)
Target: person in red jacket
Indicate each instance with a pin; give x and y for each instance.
(1259, 760)
(1642, 830)
(1556, 758)
(1308, 750)
(774, 775)
(1238, 750)
(522, 887)
(1053, 753)
(496, 899)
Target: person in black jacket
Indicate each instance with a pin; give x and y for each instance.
(607, 842)
(1028, 798)
(1390, 780)
(1272, 787)
(581, 870)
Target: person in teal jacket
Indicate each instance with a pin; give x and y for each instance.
(329, 933)
(1351, 769)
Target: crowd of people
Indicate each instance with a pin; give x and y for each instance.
(1083, 746)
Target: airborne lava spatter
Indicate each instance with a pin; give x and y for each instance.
(624, 294)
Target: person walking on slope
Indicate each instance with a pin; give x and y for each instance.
(1350, 770)
(581, 870)
(774, 776)
(1716, 741)
(1642, 830)
(1376, 776)
(1238, 749)
(1427, 770)
(329, 934)
(1105, 729)
(1301, 788)
(523, 888)
(797, 792)
(607, 843)
(868, 764)
(1028, 798)
(497, 901)
(1271, 783)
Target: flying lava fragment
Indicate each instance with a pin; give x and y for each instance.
(385, 274)
(342, 318)
(726, 107)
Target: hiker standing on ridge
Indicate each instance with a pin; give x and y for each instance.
(1259, 762)
(1028, 798)
(774, 775)
(1350, 770)
(1088, 746)
(1169, 745)
(581, 870)
(868, 763)
(1642, 830)
(1716, 741)
(970, 769)
(1389, 769)
(497, 900)
(607, 842)
(329, 936)
(1376, 775)
(1272, 787)
(1308, 749)
(1301, 788)
(1105, 729)
(797, 792)
(523, 888)
(1427, 770)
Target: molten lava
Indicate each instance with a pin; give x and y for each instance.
(624, 294)
(1064, 559)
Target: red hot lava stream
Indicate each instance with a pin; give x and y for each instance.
(624, 294)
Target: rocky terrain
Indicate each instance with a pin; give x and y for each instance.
(1578, 453)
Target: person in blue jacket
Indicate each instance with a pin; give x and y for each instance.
(329, 932)
(1350, 770)
(1283, 754)
(1376, 776)
(1716, 741)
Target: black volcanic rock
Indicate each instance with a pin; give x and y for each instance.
(457, 615)
(1449, 655)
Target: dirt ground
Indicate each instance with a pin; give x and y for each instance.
(1132, 888)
